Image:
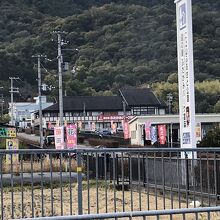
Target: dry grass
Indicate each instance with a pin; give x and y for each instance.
(103, 200)
(47, 165)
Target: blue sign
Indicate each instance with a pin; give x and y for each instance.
(186, 138)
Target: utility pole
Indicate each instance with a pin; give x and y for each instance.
(60, 61)
(39, 56)
(84, 115)
(2, 102)
(124, 109)
(12, 91)
(169, 102)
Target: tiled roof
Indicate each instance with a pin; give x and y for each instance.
(139, 97)
(132, 96)
(94, 103)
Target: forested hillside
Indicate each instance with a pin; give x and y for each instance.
(123, 42)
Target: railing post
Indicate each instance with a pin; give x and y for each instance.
(117, 173)
(187, 173)
(1, 185)
(79, 182)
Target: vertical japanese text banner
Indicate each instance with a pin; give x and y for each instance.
(153, 134)
(162, 134)
(148, 130)
(59, 137)
(126, 129)
(71, 136)
(185, 73)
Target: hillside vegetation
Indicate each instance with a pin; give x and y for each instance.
(119, 43)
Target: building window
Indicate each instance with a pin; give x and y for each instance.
(66, 114)
(47, 114)
(89, 114)
(144, 111)
(96, 113)
(53, 114)
(151, 111)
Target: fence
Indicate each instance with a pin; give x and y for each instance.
(102, 182)
(190, 213)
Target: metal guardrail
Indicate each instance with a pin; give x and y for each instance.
(102, 182)
(205, 213)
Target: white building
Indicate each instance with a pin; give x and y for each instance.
(22, 111)
(137, 127)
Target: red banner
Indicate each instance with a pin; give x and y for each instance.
(162, 133)
(71, 136)
(126, 130)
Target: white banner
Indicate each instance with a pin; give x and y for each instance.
(59, 137)
(185, 73)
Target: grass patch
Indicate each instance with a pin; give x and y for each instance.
(46, 166)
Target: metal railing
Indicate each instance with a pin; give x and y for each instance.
(189, 213)
(43, 183)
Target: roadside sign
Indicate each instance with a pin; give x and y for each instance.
(71, 136)
(185, 73)
(12, 144)
(126, 130)
(8, 132)
(59, 138)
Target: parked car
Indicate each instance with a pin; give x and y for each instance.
(49, 142)
(119, 129)
(104, 132)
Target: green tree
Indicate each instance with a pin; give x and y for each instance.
(212, 138)
(5, 119)
(217, 107)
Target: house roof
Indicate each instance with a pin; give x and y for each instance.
(139, 97)
(94, 103)
(132, 96)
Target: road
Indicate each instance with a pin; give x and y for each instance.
(28, 137)
(35, 140)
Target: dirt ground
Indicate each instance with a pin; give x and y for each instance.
(106, 202)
